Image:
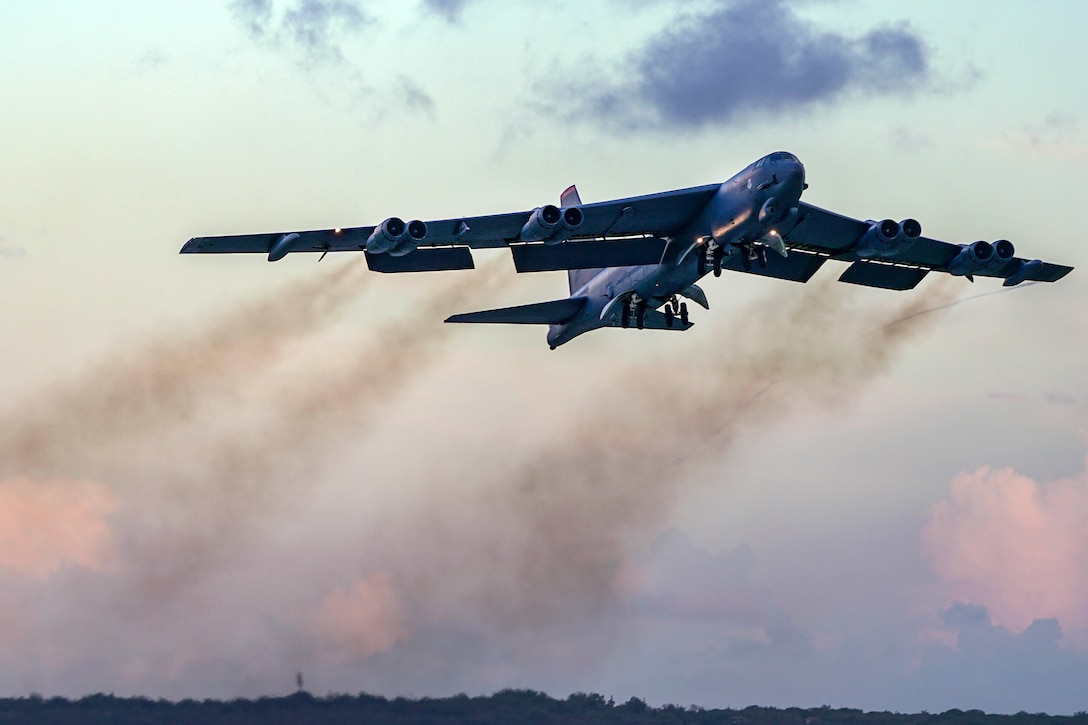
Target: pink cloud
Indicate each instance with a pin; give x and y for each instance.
(365, 619)
(45, 525)
(1016, 546)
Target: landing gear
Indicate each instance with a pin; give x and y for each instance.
(712, 259)
(753, 253)
(670, 316)
(684, 314)
(636, 307)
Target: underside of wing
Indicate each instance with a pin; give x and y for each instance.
(797, 266)
(351, 239)
(894, 255)
(588, 255)
(623, 232)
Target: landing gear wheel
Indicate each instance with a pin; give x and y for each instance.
(718, 254)
(625, 317)
(684, 314)
(761, 257)
(702, 263)
(640, 316)
(670, 316)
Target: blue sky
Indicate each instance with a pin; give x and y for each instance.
(218, 472)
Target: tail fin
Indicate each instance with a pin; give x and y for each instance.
(576, 278)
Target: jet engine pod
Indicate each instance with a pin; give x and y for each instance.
(542, 223)
(572, 218)
(887, 238)
(417, 230)
(973, 259)
(551, 225)
(1003, 251)
(387, 235)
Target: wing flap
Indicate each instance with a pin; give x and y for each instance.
(587, 255)
(554, 312)
(885, 276)
(797, 267)
(422, 260)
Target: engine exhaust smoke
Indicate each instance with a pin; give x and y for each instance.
(156, 384)
(542, 547)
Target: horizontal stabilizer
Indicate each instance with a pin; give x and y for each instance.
(655, 320)
(555, 312)
(798, 267)
(885, 276)
(422, 260)
(587, 255)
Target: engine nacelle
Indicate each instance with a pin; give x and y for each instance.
(1003, 251)
(551, 225)
(982, 257)
(417, 231)
(888, 239)
(387, 235)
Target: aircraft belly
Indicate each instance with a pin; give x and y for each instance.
(666, 281)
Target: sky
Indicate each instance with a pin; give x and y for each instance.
(217, 472)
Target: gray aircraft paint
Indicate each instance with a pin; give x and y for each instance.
(627, 258)
(730, 219)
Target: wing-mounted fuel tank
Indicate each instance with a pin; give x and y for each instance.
(551, 225)
(982, 257)
(888, 238)
(396, 237)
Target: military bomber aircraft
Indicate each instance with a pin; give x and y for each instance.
(634, 263)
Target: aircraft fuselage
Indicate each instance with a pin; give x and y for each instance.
(739, 218)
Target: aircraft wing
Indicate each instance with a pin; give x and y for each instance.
(825, 233)
(448, 241)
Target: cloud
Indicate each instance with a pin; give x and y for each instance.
(255, 15)
(997, 669)
(1017, 546)
(746, 58)
(414, 97)
(1058, 135)
(362, 620)
(449, 9)
(316, 27)
(46, 525)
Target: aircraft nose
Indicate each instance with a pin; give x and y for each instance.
(793, 176)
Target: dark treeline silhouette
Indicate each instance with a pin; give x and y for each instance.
(508, 707)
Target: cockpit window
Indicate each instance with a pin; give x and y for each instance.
(781, 156)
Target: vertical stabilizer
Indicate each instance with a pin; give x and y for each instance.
(576, 277)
